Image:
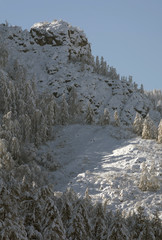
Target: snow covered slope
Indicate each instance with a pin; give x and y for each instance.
(59, 56)
(107, 162)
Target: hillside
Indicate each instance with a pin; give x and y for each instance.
(59, 57)
(71, 164)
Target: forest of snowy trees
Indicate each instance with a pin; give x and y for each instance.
(29, 207)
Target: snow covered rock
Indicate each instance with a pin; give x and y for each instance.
(59, 56)
(60, 33)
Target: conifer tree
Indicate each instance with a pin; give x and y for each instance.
(3, 56)
(100, 228)
(130, 79)
(6, 160)
(144, 179)
(79, 226)
(105, 119)
(64, 111)
(74, 106)
(142, 89)
(66, 212)
(50, 113)
(27, 127)
(113, 74)
(97, 65)
(45, 130)
(15, 148)
(37, 117)
(116, 119)
(52, 224)
(149, 180)
(153, 184)
(143, 226)
(101, 71)
(156, 225)
(160, 132)
(138, 124)
(149, 129)
(118, 228)
(89, 115)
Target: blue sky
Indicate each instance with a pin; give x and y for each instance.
(127, 33)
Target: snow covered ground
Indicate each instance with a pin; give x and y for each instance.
(107, 161)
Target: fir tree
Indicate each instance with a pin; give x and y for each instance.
(118, 228)
(142, 89)
(116, 119)
(15, 148)
(3, 56)
(79, 226)
(74, 106)
(64, 111)
(97, 65)
(149, 129)
(143, 226)
(105, 119)
(160, 132)
(89, 115)
(100, 228)
(144, 179)
(138, 124)
(52, 224)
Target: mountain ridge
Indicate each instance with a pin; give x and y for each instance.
(60, 57)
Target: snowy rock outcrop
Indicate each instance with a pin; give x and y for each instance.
(60, 33)
(59, 56)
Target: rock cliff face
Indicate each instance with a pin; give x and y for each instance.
(60, 33)
(59, 56)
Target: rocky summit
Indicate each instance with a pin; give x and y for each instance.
(60, 59)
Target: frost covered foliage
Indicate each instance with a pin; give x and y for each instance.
(116, 119)
(101, 67)
(3, 56)
(149, 180)
(29, 212)
(105, 118)
(89, 115)
(23, 119)
(64, 111)
(29, 116)
(160, 132)
(138, 124)
(149, 129)
(156, 98)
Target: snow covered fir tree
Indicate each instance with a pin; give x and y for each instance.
(80, 146)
